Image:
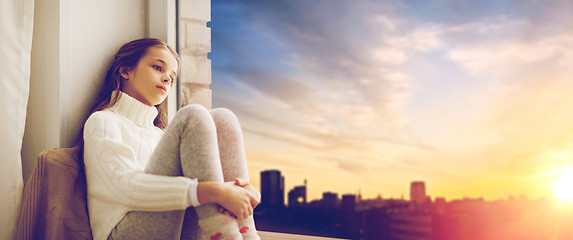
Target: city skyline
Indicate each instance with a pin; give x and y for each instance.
(407, 196)
(420, 217)
(472, 98)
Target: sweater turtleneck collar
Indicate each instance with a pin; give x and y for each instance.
(136, 111)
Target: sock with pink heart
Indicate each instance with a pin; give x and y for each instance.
(218, 226)
(247, 229)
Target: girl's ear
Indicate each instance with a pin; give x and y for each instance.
(123, 72)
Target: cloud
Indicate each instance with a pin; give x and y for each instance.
(422, 39)
(346, 80)
(389, 55)
(523, 100)
(494, 45)
(339, 76)
(513, 56)
(527, 96)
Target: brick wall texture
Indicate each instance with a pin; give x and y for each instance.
(195, 44)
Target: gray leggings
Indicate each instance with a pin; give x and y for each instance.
(198, 143)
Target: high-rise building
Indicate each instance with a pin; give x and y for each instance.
(418, 192)
(297, 197)
(272, 189)
(348, 202)
(329, 200)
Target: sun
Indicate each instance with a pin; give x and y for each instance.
(563, 187)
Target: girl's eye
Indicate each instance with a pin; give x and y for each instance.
(158, 68)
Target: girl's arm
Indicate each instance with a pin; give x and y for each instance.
(114, 177)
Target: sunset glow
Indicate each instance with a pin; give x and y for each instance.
(563, 185)
(473, 98)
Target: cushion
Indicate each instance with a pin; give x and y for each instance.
(54, 199)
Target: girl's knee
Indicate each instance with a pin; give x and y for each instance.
(223, 114)
(192, 110)
(195, 114)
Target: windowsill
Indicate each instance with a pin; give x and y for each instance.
(286, 236)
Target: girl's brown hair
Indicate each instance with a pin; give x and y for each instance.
(127, 57)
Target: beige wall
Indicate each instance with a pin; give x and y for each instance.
(73, 44)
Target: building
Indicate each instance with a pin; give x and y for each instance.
(348, 202)
(439, 206)
(329, 200)
(272, 189)
(410, 226)
(297, 197)
(418, 192)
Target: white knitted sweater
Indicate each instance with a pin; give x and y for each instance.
(118, 142)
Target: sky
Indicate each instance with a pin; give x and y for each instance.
(359, 96)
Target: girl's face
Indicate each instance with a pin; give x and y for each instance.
(152, 78)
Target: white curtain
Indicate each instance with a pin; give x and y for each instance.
(16, 23)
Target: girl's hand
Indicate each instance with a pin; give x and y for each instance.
(236, 200)
(255, 194)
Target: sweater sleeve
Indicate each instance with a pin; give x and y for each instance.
(114, 176)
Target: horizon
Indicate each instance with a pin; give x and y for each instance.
(472, 99)
(405, 196)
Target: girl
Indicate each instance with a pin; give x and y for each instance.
(146, 181)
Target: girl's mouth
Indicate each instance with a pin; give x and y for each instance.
(162, 89)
